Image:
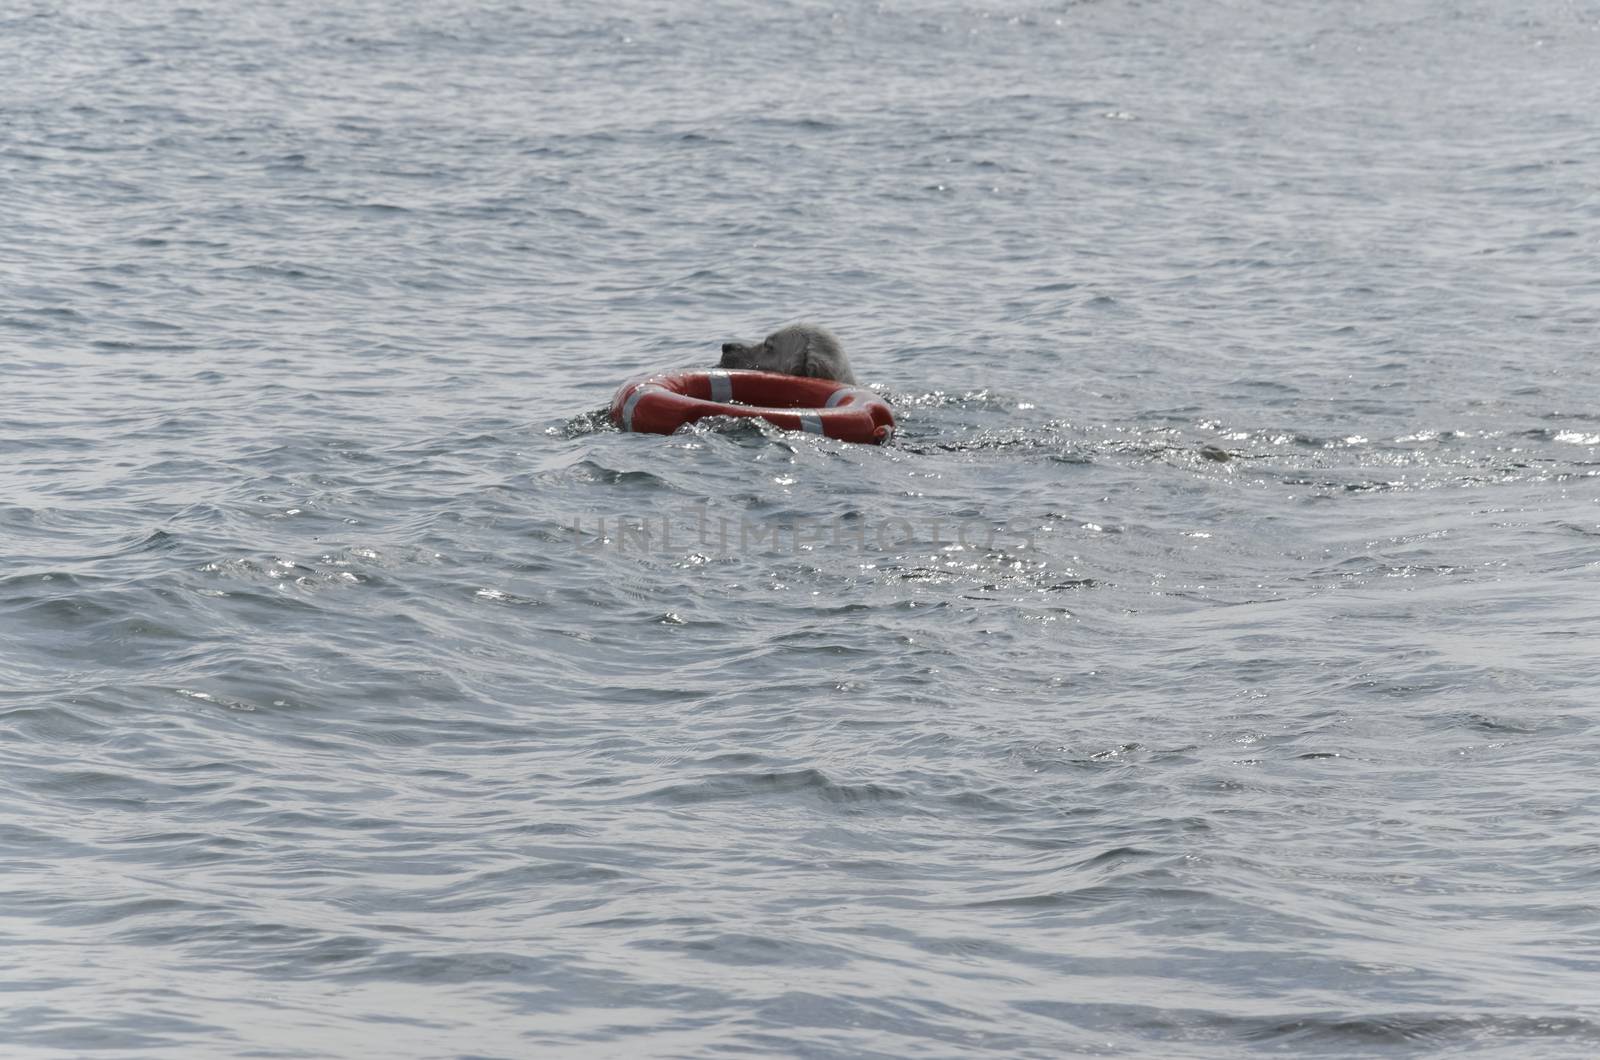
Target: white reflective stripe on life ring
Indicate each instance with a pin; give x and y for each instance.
(627, 407)
(810, 422)
(836, 397)
(721, 386)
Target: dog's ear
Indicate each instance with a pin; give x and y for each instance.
(814, 361)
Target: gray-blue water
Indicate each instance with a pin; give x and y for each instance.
(1211, 668)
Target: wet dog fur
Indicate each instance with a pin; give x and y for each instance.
(799, 349)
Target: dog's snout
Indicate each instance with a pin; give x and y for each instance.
(729, 347)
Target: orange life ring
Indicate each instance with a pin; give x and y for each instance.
(661, 403)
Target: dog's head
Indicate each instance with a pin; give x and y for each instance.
(800, 349)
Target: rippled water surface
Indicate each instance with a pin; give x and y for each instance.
(1211, 667)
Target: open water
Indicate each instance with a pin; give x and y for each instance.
(1211, 668)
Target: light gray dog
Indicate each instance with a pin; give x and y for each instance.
(799, 349)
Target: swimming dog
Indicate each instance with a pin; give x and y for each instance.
(799, 349)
